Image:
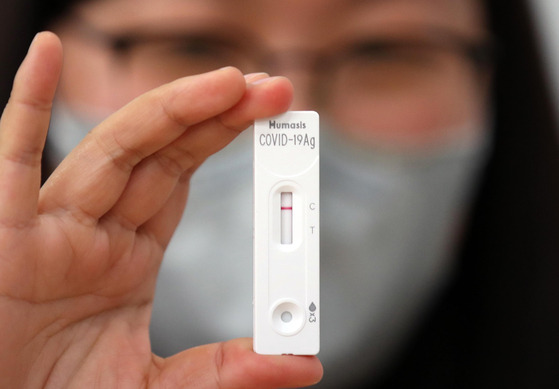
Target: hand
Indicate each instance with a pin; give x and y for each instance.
(79, 256)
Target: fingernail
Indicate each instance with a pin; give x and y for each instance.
(262, 80)
(252, 77)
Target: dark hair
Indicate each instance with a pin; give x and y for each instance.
(46, 12)
(17, 34)
(497, 325)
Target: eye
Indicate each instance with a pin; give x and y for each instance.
(392, 51)
(182, 55)
(203, 53)
(203, 48)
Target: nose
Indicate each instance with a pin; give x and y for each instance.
(302, 92)
(299, 70)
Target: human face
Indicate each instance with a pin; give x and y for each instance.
(393, 72)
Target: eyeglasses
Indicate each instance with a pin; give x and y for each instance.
(348, 81)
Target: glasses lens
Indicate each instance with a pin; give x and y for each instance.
(167, 59)
(392, 78)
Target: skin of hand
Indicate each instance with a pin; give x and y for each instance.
(79, 256)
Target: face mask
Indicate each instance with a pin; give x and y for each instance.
(66, 130)
(388, 223)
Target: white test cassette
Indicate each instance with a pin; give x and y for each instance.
(287, 234)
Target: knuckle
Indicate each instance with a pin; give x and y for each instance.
(122, 157)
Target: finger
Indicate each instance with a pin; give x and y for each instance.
(163, 169)
(162, 226)
(233, 364)
(265, 98)
(23, 129)
(268, 96)
(92, 178)
(252, 77)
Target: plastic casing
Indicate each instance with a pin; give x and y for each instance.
(286, 276)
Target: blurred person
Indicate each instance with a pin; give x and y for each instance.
(422, 124)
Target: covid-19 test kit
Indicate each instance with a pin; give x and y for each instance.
(287, 234)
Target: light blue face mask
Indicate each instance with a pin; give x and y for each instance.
(389, 222)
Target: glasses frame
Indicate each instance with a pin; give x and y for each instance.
(480, 53)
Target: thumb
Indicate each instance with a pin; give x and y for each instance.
(233, 364)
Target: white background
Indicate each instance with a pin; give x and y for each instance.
(547, 12)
